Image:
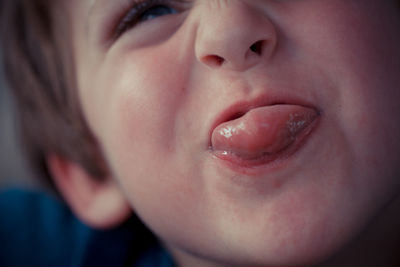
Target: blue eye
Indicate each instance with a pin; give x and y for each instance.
(157, 11)
(142, 11)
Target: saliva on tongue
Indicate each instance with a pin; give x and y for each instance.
(262, 131)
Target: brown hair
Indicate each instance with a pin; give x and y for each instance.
(39, 68)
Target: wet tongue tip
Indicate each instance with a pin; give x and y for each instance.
(262, 131)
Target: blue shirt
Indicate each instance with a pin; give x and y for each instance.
(38, 230)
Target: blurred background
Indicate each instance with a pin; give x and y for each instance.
(13, 168)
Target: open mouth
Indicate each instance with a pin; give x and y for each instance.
(263, 134)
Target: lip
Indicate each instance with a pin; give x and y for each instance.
(240, 108)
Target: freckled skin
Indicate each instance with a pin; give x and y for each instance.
(261, 131)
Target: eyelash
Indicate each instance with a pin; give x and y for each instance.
(132, 17)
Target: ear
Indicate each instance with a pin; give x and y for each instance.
(99, 204)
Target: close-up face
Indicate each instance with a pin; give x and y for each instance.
(245, 131)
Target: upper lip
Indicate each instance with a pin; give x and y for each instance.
(240, 108)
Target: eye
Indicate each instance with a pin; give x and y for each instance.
(157, 11)
(142, 11)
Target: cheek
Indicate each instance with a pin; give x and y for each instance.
(138, 129)
(138, 101)
(139, 121)
(358, 46)
(141, 151)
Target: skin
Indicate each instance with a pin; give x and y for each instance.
(151, 98)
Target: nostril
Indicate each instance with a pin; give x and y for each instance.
(257, 47)
(213, 60)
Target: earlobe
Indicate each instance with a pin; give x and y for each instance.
(99, 204)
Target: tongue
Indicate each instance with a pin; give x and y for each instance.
(262, 131)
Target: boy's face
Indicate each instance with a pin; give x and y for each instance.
(157, 94)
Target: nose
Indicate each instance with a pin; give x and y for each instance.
(234, 35)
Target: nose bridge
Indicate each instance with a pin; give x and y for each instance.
(233, 34)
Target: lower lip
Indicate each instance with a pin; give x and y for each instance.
(267, 163)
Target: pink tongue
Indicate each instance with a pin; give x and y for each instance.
(262, 131)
